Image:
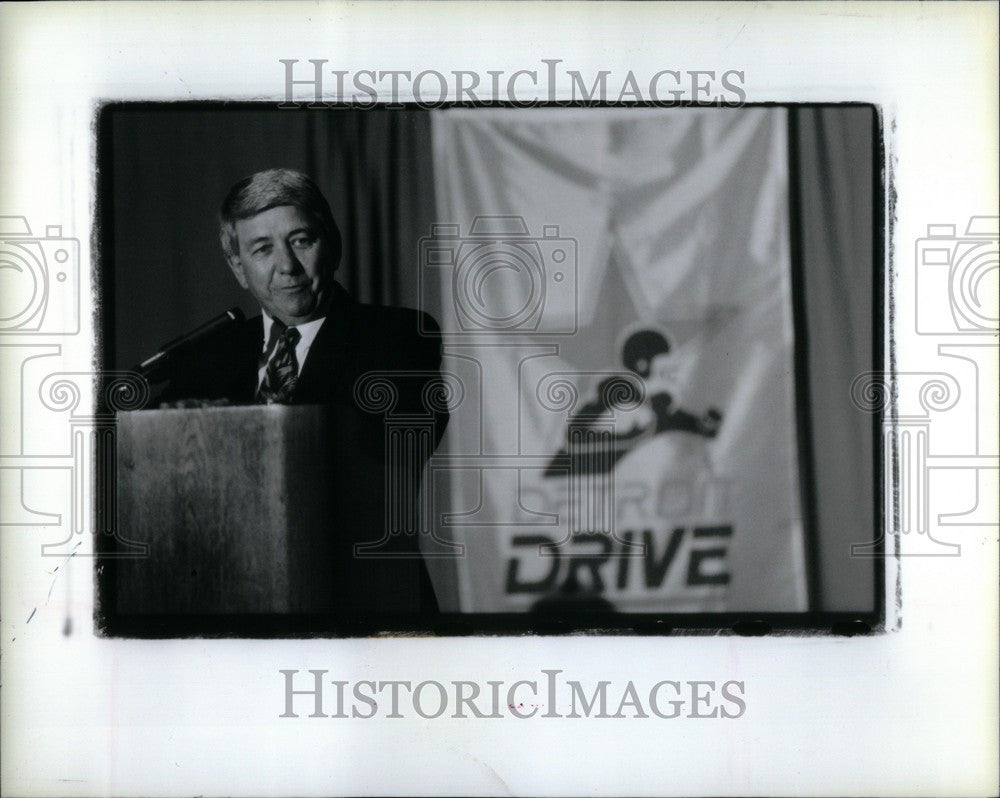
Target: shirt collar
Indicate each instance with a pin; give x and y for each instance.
(307, 331)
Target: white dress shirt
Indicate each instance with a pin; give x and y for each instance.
(307, 334)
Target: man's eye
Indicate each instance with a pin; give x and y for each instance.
(263, 249)
(302, 241)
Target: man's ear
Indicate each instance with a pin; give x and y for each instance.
(237, 266)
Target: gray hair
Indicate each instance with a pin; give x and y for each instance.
(273, 188)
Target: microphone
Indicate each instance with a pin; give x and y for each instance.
(157, 367)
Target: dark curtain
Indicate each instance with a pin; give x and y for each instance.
(835, 192)
(170, 167)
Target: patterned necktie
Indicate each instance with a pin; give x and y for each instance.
(282, 371)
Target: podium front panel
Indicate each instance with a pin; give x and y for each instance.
(236, 506)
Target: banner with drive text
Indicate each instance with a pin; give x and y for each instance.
(615, 296)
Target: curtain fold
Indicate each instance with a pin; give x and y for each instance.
(835, 191)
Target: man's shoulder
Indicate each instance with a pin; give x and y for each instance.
(400, 333)
(394, 338)
(397, 321)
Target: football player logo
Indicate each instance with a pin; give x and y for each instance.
(646, 353)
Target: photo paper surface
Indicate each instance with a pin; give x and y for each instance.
(635, 433)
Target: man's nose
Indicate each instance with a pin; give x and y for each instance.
(287, 261)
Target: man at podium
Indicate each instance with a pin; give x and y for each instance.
(314, 346)
(312, 339)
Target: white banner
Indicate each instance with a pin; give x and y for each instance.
(617, 305)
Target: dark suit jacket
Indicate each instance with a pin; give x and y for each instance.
(355, 339)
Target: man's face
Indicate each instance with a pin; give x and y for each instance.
(284, 259)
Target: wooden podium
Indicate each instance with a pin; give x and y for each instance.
(238, 507)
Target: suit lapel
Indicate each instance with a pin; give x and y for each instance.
(328, 365)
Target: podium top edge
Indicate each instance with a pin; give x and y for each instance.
(276, 410)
